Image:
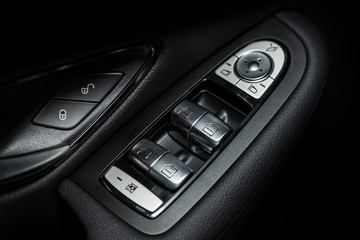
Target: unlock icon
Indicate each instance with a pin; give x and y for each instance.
(85, 90)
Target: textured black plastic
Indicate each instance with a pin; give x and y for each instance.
(19, 168)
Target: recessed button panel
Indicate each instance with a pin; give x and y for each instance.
(63, 114)
(254, 68)
(132, 189)
(88, 87)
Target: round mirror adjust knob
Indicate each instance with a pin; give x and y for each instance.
(253, 66)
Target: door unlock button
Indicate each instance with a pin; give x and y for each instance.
(89, 87)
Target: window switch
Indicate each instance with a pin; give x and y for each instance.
(209, 132)
(198, 126)
(185, 115)
(159, 164)
(145, 154)
(170, 171)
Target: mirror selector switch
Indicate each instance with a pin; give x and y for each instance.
(198, 126)
(159, 164)
(254, 67)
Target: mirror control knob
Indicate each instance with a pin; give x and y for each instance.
(253, 66)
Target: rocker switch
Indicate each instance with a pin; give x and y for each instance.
(159, 164)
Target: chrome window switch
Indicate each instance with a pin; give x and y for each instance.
(159, 164)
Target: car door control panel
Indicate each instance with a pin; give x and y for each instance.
(158, 166)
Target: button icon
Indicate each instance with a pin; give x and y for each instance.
(225, 72)
(169, 170)
(271, 48)
(131, 187)
(144, 153)
(253, 89)
(210, 129)
(185, 112)
(85, 90)
(62, 114)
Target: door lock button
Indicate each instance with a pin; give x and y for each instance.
(63, 114)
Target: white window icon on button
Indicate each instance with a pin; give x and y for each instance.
(210, 129)
(169, 170)
(253, 89)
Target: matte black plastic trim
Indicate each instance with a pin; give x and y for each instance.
(18, 168)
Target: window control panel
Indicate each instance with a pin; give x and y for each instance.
(174, 150)
(164, 161)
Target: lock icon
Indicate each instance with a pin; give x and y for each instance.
(62, 114)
